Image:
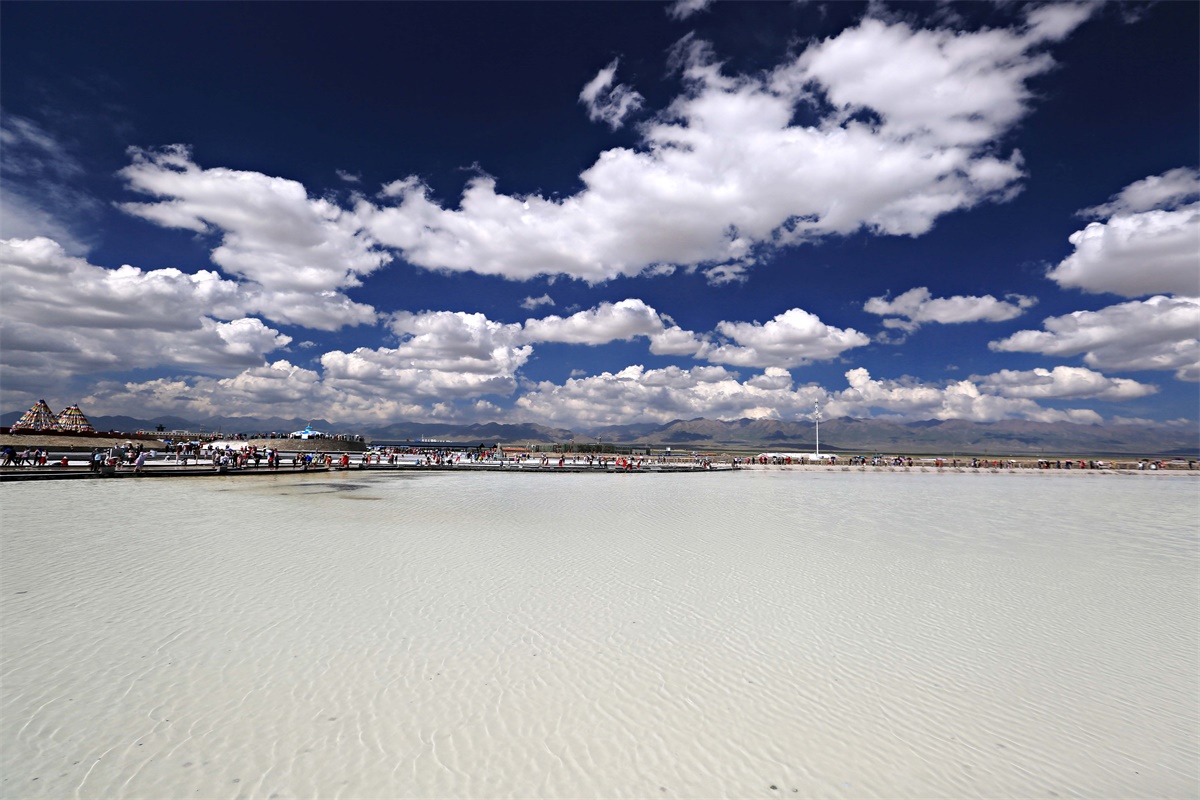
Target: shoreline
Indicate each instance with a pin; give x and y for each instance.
(78, 470)
(70, 458)
(69, 443)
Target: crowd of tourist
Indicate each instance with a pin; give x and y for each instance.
(224, 456)
(28, 457)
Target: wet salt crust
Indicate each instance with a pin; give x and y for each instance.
(753, 634)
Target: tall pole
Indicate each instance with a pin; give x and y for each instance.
(817, 417)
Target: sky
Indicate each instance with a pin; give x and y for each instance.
(586, 214)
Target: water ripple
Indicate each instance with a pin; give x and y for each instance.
(828, 635)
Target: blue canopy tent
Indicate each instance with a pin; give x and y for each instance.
(307, 433)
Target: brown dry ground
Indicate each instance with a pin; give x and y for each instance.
(21, 441)
(84, 443)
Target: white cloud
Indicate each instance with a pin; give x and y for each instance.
(64, 316)
(1054, 21)
(326, 310)
(455, 341)
(442, 358)
(792, 338)
(38, 186)
(675, 341)
(636, 394)
(1135, 254)
(621, 321)
(450, 341)
(530, 303)
(374, 386)
(941, 86)
(772, 378)
(1180, 422)
(383, 373)
(907, 311)
(1150, 243)
(909, 399)
(608, 102)
(1062, 382)
(1166, 191)
(291, 391)
(682, 9)
(1160, 333)
(272, 233)
(285, 389)
(22, 219)
(914, 133)
(605, 323)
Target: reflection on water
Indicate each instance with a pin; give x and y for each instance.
(329, 487)
(487, 635)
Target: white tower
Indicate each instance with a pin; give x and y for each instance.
(817, 417)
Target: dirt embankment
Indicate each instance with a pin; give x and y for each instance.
(68, 443)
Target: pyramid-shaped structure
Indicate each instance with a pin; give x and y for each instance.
(38, 418)
(73, 420)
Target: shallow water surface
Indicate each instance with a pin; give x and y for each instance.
(760, 633)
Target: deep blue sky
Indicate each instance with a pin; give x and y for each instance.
(228, 124)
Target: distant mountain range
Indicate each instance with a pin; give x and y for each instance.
(846, 434)
(1010, 437)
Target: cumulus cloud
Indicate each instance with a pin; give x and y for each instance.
(325, 310)
(620, 321)
(909, 399)
(636, 394)
(530, 303)
(916, 306)
(376, 386)
(673, 340)
(1136, 254)
(442, 358)
(272, 233)
(458, 341)
(389, 372)
(791, 339)
(287, 389)
(64, 316)
(909, 125)
(1166, 191)
(605, 323)
(1062, 382)
(1160, 333)
(609, 102)
(446, 361)
(1149, 244)
(364, 386)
